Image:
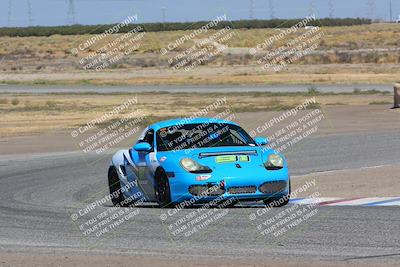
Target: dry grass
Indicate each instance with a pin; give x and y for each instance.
(350, 37)
(206, 76)
(38, 113)
(46, 53)
(381, 103)
(48, 60)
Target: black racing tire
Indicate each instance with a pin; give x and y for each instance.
(114, 184)
(279, 202)
(162, 189)
(233, 204)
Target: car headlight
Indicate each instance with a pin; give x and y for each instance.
(275, 162)
(194, 167)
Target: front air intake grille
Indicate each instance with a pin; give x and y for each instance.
(205, 190)
(242, 190)
(273, 187)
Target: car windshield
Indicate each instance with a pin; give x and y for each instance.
(202, 135)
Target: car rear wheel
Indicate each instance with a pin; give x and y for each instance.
(162, 190)
(115, 187)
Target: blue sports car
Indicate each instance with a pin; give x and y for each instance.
(198, 160)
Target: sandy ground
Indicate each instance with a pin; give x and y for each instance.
(45, 113)
(375, 181)
(39, 260)
(338, 119)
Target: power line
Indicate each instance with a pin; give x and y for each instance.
(390, 11)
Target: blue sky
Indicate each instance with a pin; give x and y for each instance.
(56, 12)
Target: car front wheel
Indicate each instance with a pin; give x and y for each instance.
(162, 190)
(115, 187)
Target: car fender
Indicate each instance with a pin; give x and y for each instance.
(169, 162)
(118, 160)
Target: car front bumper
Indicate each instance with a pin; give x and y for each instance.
(258, 184)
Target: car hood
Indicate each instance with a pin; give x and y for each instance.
(227, 158)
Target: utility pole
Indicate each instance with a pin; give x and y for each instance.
(251, 10)
(371, 9)
(331, 9)
(9, 13)
(312, 8)
(71, 12)
(390, 11)
(30, 20)
(163, 11)
(271, 9)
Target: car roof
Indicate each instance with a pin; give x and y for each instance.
(182, 121)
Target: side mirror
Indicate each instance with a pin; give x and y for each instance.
(261, 141)
(142, 147)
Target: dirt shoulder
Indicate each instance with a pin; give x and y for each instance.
(340, 119)
(44, 260)
(27, 114)
(215, 75)
(377, 181)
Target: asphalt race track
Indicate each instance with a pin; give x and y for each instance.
(40, 191)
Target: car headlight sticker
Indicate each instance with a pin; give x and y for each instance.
(274, 162)
(192, 166)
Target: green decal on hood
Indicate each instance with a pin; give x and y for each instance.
(244, 158)
(223, 159)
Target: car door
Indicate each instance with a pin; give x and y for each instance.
(142, 167)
